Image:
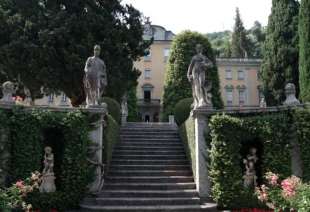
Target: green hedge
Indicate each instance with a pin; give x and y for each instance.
(4, 148)
(182, 110)
(229, 135)
(114, 108)
(27, 141)
(187, 133)
(302, 120)
(111, 138)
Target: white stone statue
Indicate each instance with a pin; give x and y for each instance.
(48, 176)
(196, 75)
(95, 79)
(124, 108)
(250, 177)
(263, 103)
(8, 89)
(290, 92)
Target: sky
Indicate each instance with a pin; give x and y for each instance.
(202, 15)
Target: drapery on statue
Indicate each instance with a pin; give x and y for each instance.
(48, 176)
(250, 177)
(95, 79)
(196, 75)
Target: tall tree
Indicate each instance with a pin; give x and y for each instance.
(239, 43)
(304, 50)
(280, 61)
(48, 42)
(257, 37)
(176, 86)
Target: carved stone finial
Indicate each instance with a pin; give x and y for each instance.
(290, 92)
(8, 89)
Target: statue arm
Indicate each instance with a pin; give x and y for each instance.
(190, 70)
(87, 64)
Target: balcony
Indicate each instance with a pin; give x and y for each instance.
(149, 102)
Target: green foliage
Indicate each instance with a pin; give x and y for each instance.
(27, 140)
(302, 121)
(304, 50)
(229, 135)
(182, 110)
(111, 138)
(176, 86)
(56, 37)
(187, 133)
(240, 42)
(220, 42)
(132, 105)
(280, 61)
(114, 108)
(4, 147)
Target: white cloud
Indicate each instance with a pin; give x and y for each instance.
(202, 15)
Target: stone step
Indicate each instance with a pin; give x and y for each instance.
(148, 143)
(174, 133)
(148, 193)
(149, 162)
(149, 186)
(152, 130)
(143, 134)
(148, 167)
(148, 152)
(129, 173)
(211, 207)
(142, 201)
(151, 139)
(149, 148)
(149, 179)
(148, 157)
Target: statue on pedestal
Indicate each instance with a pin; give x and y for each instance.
(124, 108)
(196, 75)
(95, 79)
(250, 178)
(48, 176)
(290, 92)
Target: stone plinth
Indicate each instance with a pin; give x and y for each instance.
(201, 129)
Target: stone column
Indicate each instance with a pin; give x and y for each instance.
(296, 161)
(96, 154)
(202, 175)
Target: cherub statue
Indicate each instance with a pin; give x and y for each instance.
(48, 178)
(250, 178)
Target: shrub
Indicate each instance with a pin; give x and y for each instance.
(27, 143)
(111, 138)
(229, 135)
(182, 110)
(114, 108)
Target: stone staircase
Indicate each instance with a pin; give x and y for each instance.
(149, 172)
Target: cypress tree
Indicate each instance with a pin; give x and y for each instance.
(176, 85)
(239, 43)
(304, 50)
(280, 61)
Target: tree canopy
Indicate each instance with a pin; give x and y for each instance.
(304, 50)
(280, 61)
(46, 43)
(176, 86)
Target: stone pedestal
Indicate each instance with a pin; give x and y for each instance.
(48, 183)
(201, 129)
(96, 155)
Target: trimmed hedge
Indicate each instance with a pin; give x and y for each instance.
(182, 110)
(27, 130)
(187, 133)
(111, 138)
(302, 121)
(4, 148)
(114, 108)
(229, 134)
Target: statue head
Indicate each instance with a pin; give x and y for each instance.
(253, 151)
(48, 150)
(199, 48)
(97, 50)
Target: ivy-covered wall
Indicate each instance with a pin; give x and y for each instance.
(68, 134)
(4, 149)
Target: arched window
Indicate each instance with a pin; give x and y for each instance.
(147, 92)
